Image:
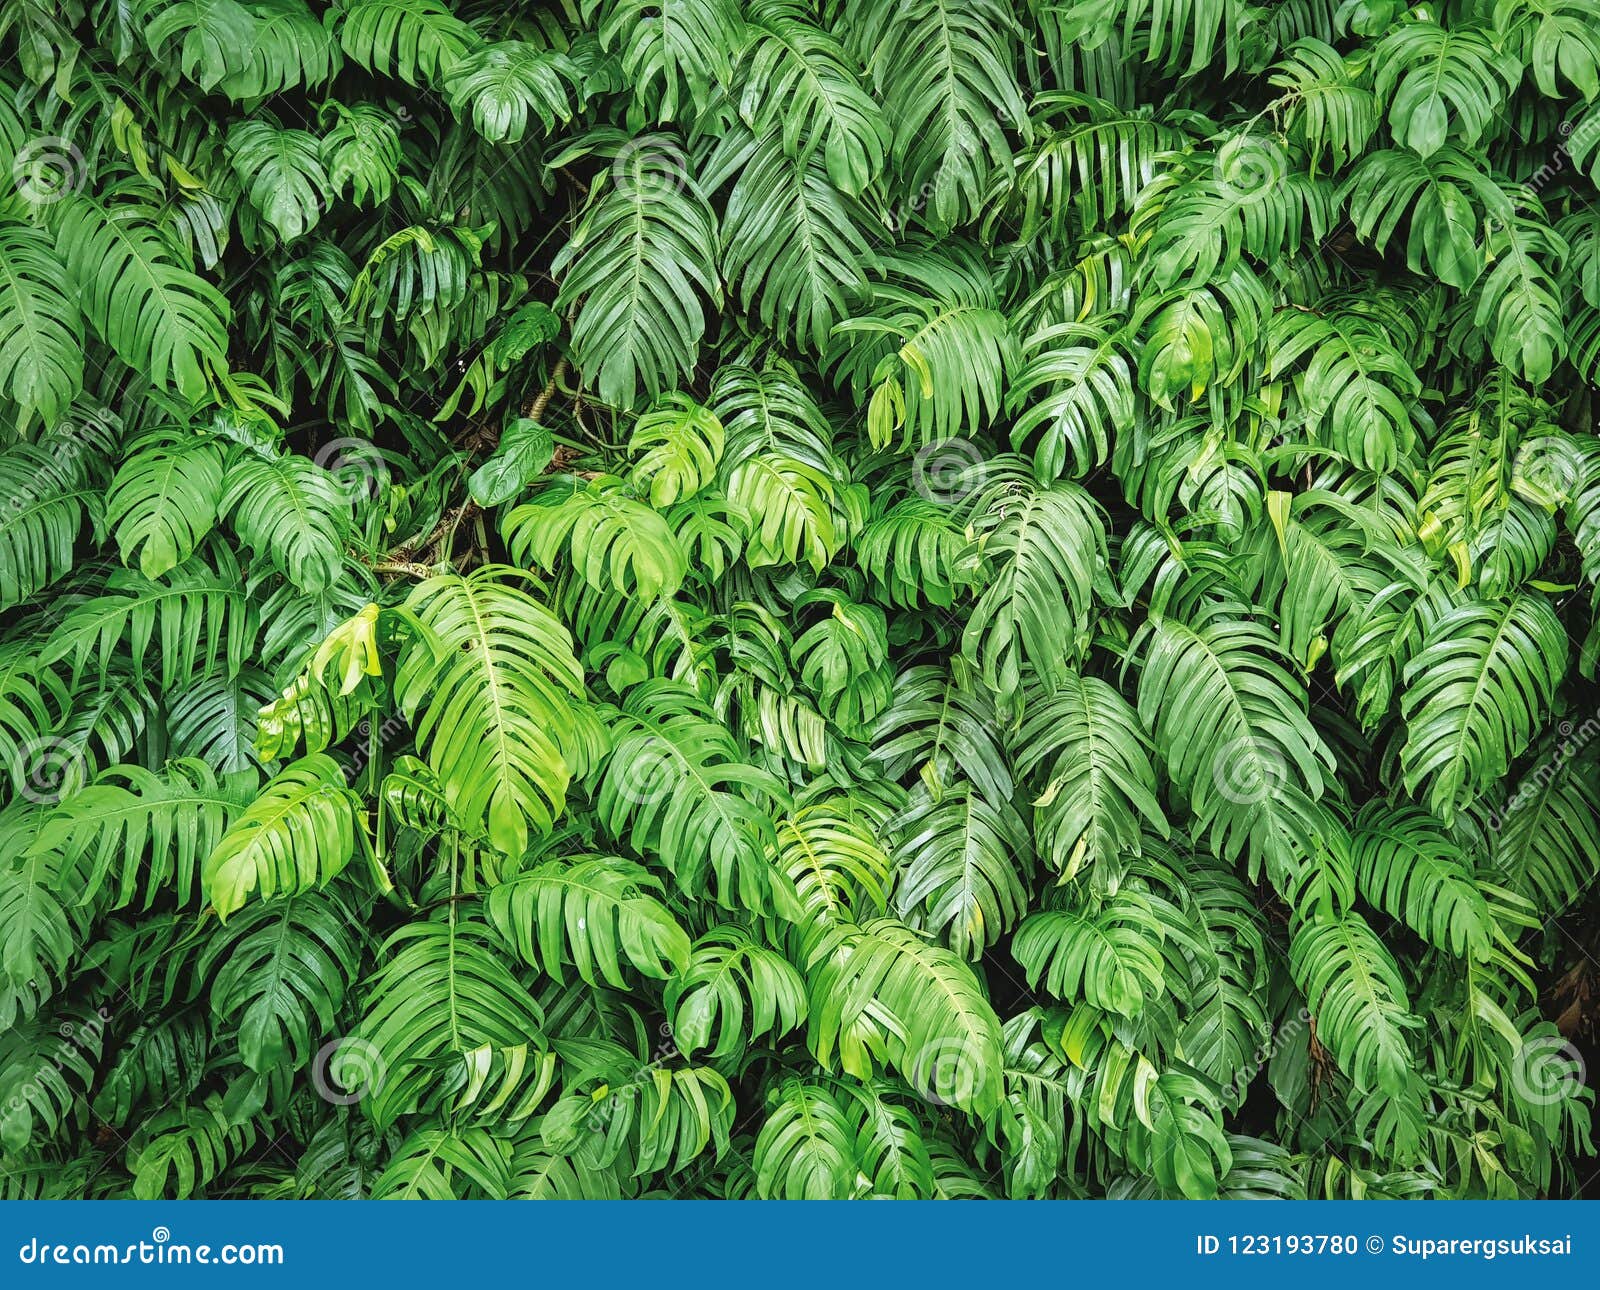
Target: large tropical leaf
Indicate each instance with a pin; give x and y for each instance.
(301, 831)
(1476, 694)
(139, 295)
(41, 327)
(489, 684)
(640, 266)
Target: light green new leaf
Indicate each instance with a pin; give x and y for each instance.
(490, 686)
(302, 830)
(615, 542)
(733, 991)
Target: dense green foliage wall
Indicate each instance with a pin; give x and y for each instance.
(749, 597)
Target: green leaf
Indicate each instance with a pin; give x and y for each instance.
(41, 327)
(615, 542)
(524, 450)
(292, 511)
(798, 79)
(165, 498)
(443, 996)
(1476, 694)
(490, 687)
(281, 974)
(282, 173)
(591, 912)
(504, 83)
(1110, 958)
(733, 990)
(134, 828)
(301, 831)
(140, 297)
(806, 1149)
(679, 445)
(945, 1038)
(639, 265)
(1358, 998)
(417, 40)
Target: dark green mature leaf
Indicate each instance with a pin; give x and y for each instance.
(291, 510)
(502, 84)
(524, 450)
(165, 498)
(1476, 694)
(139, 296)
(282, 970)
(282, 174)
(41, 327)
(640, 264)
